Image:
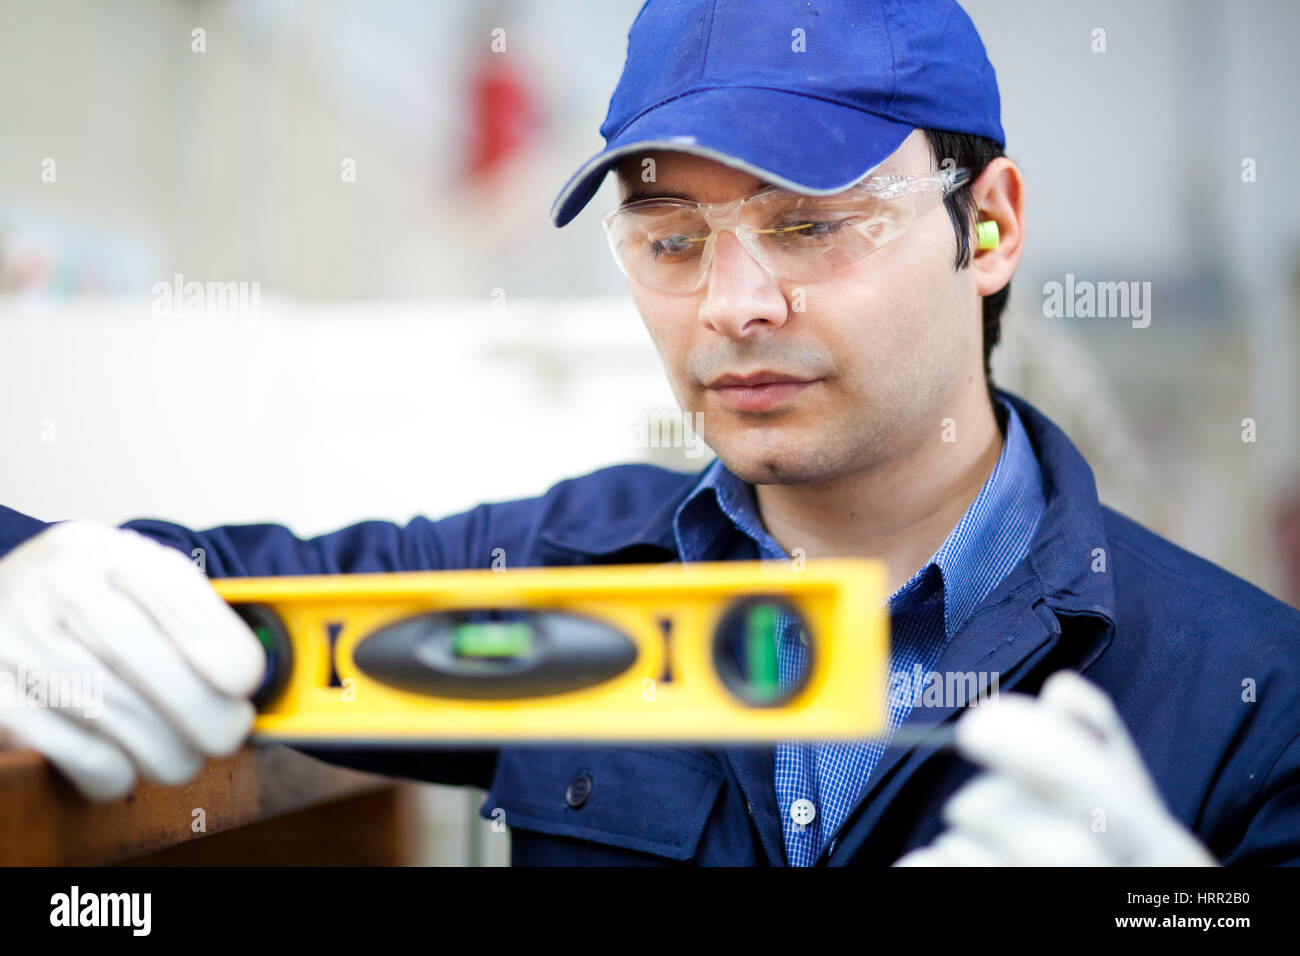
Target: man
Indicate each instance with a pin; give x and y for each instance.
(818, 228)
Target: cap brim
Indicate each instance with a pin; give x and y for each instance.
(798, 142)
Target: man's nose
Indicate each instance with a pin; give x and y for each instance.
(740, 296)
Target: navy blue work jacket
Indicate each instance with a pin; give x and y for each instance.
(1202, 666)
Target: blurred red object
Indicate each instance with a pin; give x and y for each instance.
(504, 114)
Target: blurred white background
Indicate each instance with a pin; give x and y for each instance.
(382, 378)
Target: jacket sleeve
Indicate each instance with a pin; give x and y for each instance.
(254, 550)
(460, 541)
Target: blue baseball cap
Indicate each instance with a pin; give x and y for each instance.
(811, 95)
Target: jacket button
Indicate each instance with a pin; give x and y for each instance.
(578, 791)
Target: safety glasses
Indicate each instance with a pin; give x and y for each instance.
(667, 244)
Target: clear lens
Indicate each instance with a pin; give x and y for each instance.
(667, 235)
(664, 245)
(809, 237)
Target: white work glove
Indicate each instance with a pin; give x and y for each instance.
(86, 602)
(1066, 786)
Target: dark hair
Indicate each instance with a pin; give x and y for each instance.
(974, 153)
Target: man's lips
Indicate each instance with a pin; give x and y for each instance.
(758, 391)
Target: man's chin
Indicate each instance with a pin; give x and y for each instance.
(774, 466)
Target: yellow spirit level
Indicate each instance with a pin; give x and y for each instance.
(607, 653)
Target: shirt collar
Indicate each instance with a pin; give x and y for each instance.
(991, 537)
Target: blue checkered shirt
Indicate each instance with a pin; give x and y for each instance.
(991, 538)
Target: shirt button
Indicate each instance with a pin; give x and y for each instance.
(803, 812)
(578, 791)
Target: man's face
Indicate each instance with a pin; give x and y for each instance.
(874, 356)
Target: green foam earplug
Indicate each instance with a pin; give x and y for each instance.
(986, 234)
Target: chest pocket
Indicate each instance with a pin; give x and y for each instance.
(653, 800)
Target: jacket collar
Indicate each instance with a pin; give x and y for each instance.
(1070, 555)
(573, 528)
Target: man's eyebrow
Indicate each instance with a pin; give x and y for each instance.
(654, 192)
(650, 192)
